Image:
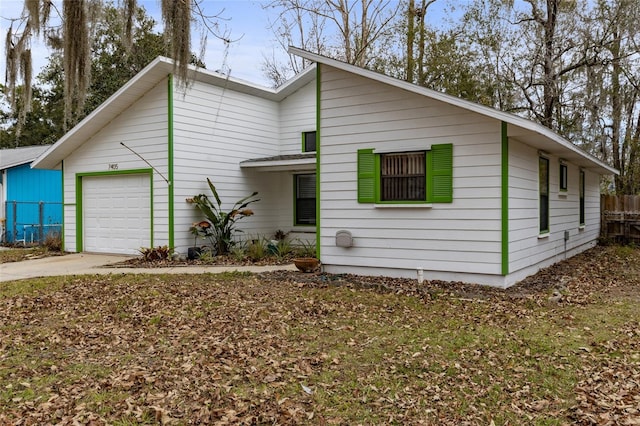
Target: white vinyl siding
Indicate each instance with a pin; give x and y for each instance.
(214, 130)
(217, 128)
(143, 128)
(297, 115)
(462, 236)
(526, 249)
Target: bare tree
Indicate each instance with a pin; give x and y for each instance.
(550, 52)
(294, 26)
(614, 90)
(356, 24)
(419, 14)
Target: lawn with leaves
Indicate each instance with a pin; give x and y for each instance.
(292, 348)
(26, 253)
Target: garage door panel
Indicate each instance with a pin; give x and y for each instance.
(117, 213)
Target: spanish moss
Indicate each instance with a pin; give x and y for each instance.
(129, 11)
(176, 15)
(76, 56)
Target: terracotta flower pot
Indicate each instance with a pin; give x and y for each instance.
(306, 264)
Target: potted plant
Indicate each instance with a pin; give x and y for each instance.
(306, 262)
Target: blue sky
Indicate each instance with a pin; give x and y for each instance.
(246, 20)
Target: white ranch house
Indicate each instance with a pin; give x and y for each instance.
(389, 178)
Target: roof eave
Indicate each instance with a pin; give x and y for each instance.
(145, 80)
(85, 128)
(16, 164)
(506, 117)
(304, 164)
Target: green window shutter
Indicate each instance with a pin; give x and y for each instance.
(366, 176)
(441, 171)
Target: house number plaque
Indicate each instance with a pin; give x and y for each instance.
(113, 166)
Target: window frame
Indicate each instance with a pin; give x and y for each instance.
(544, 224)
(438, 176)
(296, 200)
(304, 141)
(581, 196)
(563, 177)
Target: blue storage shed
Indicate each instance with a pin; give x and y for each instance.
(31, 199)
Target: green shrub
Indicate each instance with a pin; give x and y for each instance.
(282, 248)
(219, 226)
(154, 254)
(305, 248)
(256, 249)
(238, 252)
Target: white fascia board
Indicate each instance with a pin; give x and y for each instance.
(305, 164)
(138, 86)
(461, 103)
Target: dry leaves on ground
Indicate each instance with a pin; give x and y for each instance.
(292, 348)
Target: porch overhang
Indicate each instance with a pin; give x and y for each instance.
(282, 163)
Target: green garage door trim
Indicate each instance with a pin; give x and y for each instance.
(79, 207)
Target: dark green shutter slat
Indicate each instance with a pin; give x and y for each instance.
(366, 176)
(442, 173)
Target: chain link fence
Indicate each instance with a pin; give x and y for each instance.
(31, 222)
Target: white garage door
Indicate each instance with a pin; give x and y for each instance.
(117, 213)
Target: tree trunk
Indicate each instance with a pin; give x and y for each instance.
(550, 95)
(616, 113)
(411, 37)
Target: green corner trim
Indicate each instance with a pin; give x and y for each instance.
(171, 200)
(318, 128)
(79, 207)
(505, 198)
(79, 216)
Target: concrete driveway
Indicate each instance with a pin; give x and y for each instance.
(90, 263)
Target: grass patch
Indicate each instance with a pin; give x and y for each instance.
(236, 347)
(27, 253)
(31, 287)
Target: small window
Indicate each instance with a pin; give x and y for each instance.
(416, 177)
(403, 176)
(563, 177)
(581, 185)
(543, 176)
(305, 208)
(309, 141)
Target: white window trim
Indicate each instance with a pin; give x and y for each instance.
(403, 206)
